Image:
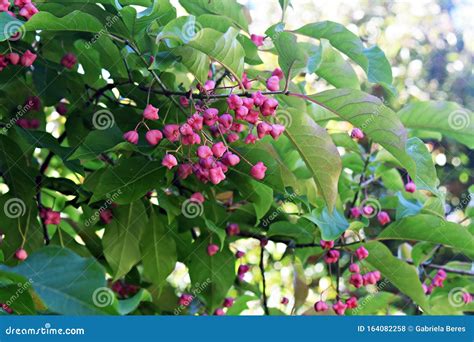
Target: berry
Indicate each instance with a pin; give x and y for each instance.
(284, 301)
(131, 137)
(169, 161)
(216, 175)
(331, 256)
(233, 229)
(383, 218)
(21, 254)
(28, 58)
(218, 149)
(361, 253)
(273, 83)
(150, 113)
(351, 303)
(355, 212)
(198, 197)
(171, 132)
(339, 308)
(212, 249)
(277, 130)
(106, 216)
(410, 187)
(219, 312)
(239, 254)
(204, 152)
(327, 244)
(69, 60)
(209, 85)
(185, 299)
(250, 139)
(320, 306)
(356, 279)
(228, 302)
(368, 210)
(278, 73)
(61, 108)
(14, 58)
(354, 268)
(258, 98)
(256, 39)
(370, 278)
(269, 106)
(28, 10)
(466, 297)
(185, 170)
(49, 216)
(242, 270)
(153, 136)
(234, 102)
(357, 133)
(258, 171)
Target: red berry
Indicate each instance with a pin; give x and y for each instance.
(21, 254)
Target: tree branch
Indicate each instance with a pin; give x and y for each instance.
(264, 284)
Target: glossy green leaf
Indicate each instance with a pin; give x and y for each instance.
(448, 118)
(372, 60)
(96, 142)
(213, 275)
(407, 207)
(71, 284)
(121, 239)
(397, 272)
(432, 229)
(158, 250)
(368, 113)
(317, 151)
(297, 232)
(426, 177)
(129, 180)
(229, 8)
(332, 225)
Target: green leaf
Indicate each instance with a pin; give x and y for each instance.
(406, 207)
(68, 286)
(240, 304)
(448, 118)
(15, 291)
(229, 8)
(9, 26)
(318, 152)
(426, 177)
(121, 239)
(286, 229)
(291, 56)
(212, 275)
(220, 232)
(422, 251)
(399, 273)
(126, 306)
(97, 142)
(223, 48)
(377, 121)
(14, 169)
(335, 69)
(74, 21)
(129, 180)
(432, 229)
(372, 60)
(158, 250)
(196, 61)
(332, 225)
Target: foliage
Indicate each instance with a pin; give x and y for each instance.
(99, 218)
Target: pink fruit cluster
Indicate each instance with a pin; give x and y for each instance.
(13, 58)
(69, 60)
(383, 217)
(356, 278)
(124, 290)
(26, 8)
(49, 216)
(209, 133)
(437, 281)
